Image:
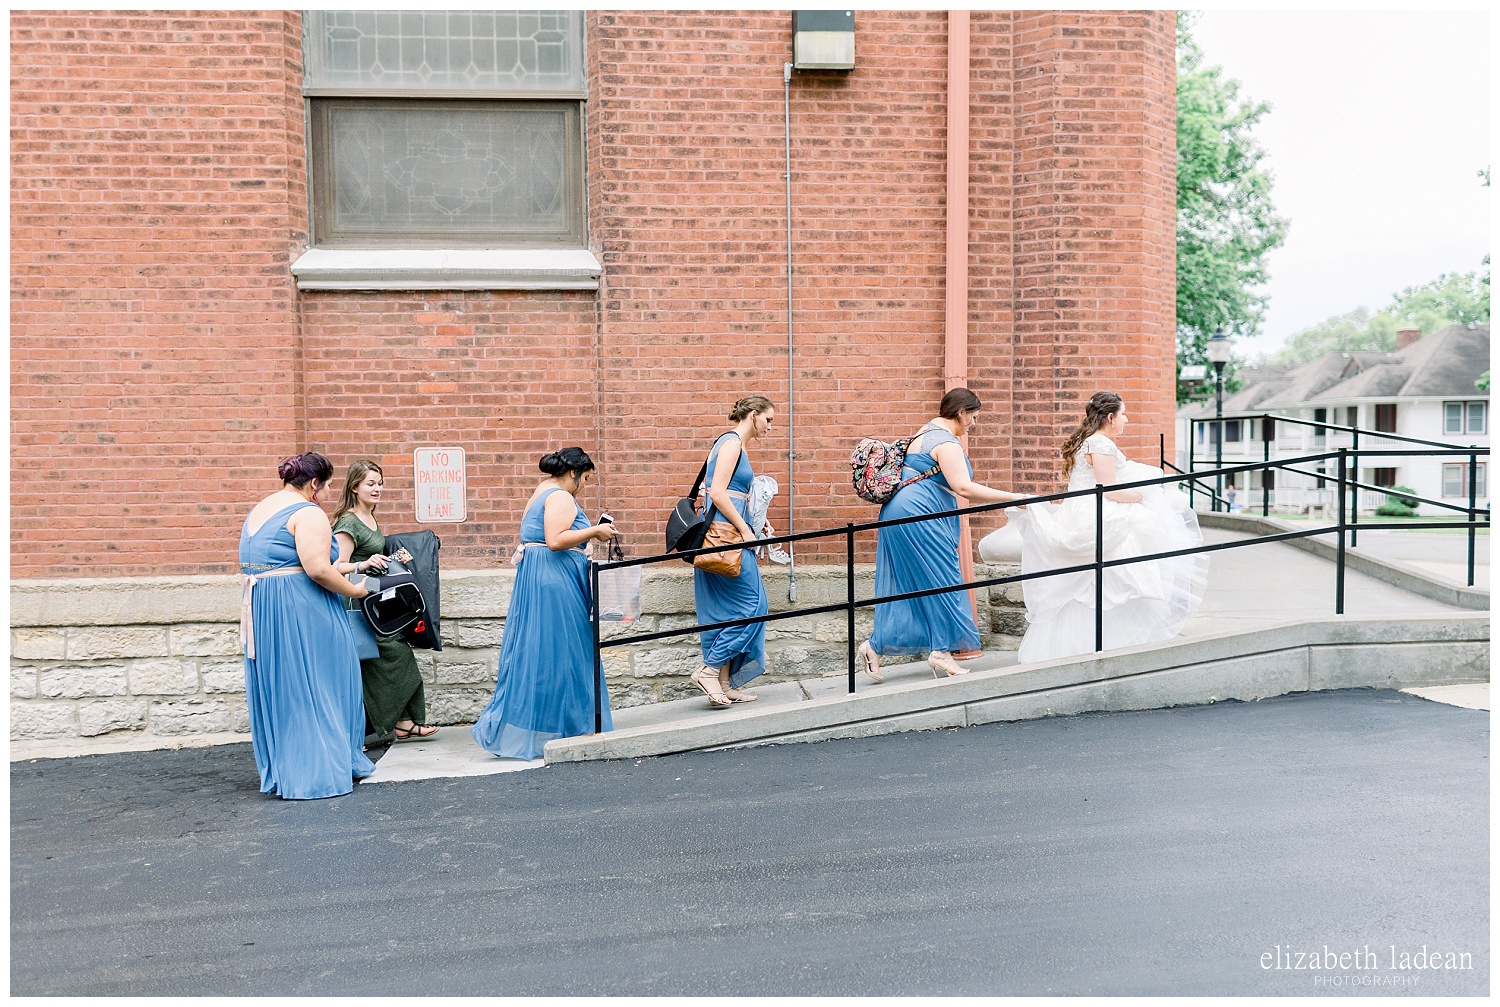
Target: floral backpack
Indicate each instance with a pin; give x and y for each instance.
(876, 468)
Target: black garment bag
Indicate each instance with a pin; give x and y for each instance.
(425, 631)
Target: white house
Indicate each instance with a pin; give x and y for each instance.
(1425, 389)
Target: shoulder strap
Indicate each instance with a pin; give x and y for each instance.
(703, 471)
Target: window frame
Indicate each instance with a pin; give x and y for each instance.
(1481, 482)
(1484, 416)
(1460, 472)
(321, 168)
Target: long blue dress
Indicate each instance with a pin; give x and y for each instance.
(719, 598)
(543, 689)
(920, 556)
(307, 707)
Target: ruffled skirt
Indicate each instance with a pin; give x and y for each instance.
(1144, 602)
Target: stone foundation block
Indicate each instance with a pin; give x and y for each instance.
(78, 681)
(164, 678)
(22, 682)
(222, 676)
(633, 692)
(472, 669)
(174, 718)
(667, 622)
(474, 634)
(616, 662)
(38, 645)
(802, 661)
(477, 594)
(91, 642)
(667, 591)
(111, 715)
(1010, 621)
(205, 641)
(667, 662)
(612, 630)
(43, 720)
(457, 705)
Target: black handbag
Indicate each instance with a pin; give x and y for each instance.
(397, 601)
(426, 632)
(685, 526)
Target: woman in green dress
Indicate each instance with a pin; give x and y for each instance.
(394, 701)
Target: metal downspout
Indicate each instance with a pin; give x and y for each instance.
(956, 311)
(791, 452)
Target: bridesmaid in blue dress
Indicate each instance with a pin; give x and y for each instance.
(733, 656)
(548, 671)
(302, 682)
(924, 554)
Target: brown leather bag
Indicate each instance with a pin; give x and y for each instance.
(725, 564)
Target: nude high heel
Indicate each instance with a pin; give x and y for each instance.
(872, 661)
(943, 665)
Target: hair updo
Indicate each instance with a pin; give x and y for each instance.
(573, 459)
(299, 470)
(1097, 413)
(747, 405)
(958, 400)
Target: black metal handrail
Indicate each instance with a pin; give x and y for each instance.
(1321, 425)
(1099, 564)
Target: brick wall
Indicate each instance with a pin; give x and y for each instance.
(156, 161)
(162, 360)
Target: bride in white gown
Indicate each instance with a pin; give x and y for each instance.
(1143, 602)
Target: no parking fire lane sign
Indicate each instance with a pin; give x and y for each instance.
(442, 485)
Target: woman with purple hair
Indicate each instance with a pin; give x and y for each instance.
(302, 681)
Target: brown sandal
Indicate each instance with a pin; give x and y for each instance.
(416, 732)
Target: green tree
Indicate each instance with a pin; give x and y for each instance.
(1452, 297)
(1226, 223)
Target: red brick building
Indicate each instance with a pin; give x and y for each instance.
(170, 171)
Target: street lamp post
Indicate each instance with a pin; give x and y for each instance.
(1218, 355)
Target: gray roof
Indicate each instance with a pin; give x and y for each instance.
(1446, 363)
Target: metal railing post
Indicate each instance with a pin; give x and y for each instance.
(1098, 567)
(1266, 425)
(1192, 442)
(1354, 510)
(849, 597)
(1473, 472)
(1338, 594)
(598, 657)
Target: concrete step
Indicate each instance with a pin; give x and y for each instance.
(1301, 656)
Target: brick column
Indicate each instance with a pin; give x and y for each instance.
(1094, 227)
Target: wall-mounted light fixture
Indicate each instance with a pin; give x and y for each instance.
(823, 40)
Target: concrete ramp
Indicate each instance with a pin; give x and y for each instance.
(1305, 656)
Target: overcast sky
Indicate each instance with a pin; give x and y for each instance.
(1379, 122)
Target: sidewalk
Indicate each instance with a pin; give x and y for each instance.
(1267, 585)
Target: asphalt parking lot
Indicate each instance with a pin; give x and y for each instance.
(1160, 852)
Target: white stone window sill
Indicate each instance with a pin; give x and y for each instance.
(447, 269)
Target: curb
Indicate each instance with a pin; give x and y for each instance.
(1332, 653)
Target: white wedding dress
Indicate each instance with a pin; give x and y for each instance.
(1143, 602)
